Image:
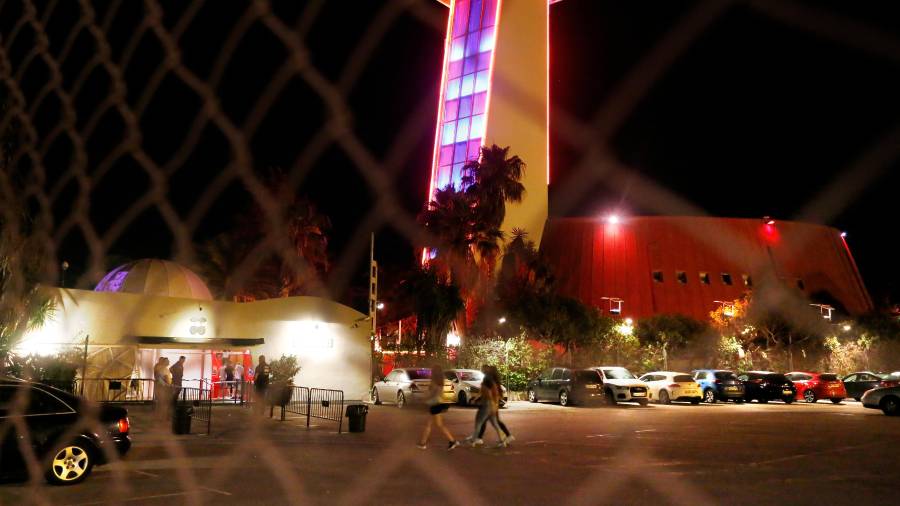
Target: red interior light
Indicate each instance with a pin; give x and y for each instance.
(123, 425)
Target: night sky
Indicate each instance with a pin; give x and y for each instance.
(758, 116)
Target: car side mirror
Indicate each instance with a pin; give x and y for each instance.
(384, 380)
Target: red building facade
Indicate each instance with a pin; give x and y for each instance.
(656, 265)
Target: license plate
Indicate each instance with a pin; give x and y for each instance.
(591, 387)
(787, 392)
(731, 389)
(638, 394)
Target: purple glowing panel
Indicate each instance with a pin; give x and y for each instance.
(462, 121)
(113, 281)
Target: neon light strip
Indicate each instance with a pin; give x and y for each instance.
(437, 129)
(548, 92)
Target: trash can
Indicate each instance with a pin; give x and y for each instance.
(357, 415)
(181, 419)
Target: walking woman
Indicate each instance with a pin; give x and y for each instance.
(436, 408)
(493, 377)
(487, 411)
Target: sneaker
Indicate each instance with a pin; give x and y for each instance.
(452, 444)
(501, 444)
(421, 447)
(477, 442)
(509, 439)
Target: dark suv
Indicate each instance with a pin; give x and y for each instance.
(719, 385)
(767, 386)
(566, 386)
(65, 435)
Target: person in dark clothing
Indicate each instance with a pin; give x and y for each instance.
(177, 372)
(261, 383)
(229, 379)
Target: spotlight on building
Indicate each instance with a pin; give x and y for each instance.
(612, 219)
(843, 235)
(379, 306)
(501, 320)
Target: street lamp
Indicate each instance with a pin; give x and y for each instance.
(502, 320)
(379, 306)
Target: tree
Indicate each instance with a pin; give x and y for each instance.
(297, 268)
(670, 333)
(436, 303)
(493, 180)
(24, 251)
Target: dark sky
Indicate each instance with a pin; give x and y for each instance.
(759, 115)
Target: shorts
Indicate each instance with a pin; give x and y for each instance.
(438, 409)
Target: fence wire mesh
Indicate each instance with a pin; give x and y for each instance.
(84, 85)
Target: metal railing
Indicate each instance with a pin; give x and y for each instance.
(200, 400)
(321, 403)
(116, 390)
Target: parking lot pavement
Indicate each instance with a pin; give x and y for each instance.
(676, 454)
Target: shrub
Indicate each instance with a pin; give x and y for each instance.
(284, 369)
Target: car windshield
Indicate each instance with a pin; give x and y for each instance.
(725, 375)
(683, 378)
(470, 375)
(828, 377)
(618, 374)
(419, 374)
(776, 377)
(587, 376)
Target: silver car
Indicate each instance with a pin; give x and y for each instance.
(466, 386)
(887, 399)
(405, 385)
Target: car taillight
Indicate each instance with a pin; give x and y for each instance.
(674, 385)
(888, 384)
(122, 425)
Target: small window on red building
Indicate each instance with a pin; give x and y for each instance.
(658, 276)
(704, 278)
(748, 281)
(726, 279)
(681, 276)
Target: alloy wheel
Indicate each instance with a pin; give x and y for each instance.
(809, 396)
(890, 406)
(401, 399)
(664, 397)
(70, 464)
(709, 396)
(564, 398)
(532, 397)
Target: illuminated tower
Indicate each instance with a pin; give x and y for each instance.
(494, 90)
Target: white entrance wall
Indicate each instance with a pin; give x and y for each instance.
(330, 340)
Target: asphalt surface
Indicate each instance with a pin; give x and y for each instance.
(679, 454)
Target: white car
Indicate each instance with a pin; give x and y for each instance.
(620, 385)
(466, 386)
(887, 399)
(405, 385)
(667, 386)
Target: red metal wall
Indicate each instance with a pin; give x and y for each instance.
(593, 259)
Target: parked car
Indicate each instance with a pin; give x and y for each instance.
(619, 385)
(66, 450)
(765, 386)
(887, 399)
(407, 385)
(566, 386)
(812, 386)
(858, 383)
(666, 386)
(465, 385)
(719, 385)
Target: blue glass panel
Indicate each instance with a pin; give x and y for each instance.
(472, 44)
(457, 173)
(450, 108)
(475, 16)
(468, 85)
(462, 130)
(487, 39)
(481, 82)
(465, 107)
(456, 48)
(447, 135)
(471, 65)
(477, 129)
(459, 152)
(484, 60)
(452, 89)
(443, 177)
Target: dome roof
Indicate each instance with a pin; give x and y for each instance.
(155, 277)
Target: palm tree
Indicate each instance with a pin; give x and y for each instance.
(494, 180)
(436, 303)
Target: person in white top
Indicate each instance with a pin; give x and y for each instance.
(238, 379)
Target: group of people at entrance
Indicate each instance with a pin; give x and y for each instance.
(167, 382)
(488, 410)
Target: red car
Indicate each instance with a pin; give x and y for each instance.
(812, 386)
